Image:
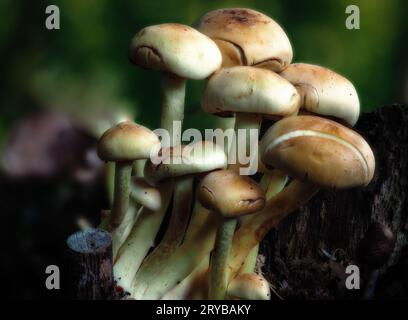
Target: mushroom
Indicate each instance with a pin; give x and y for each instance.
(180, 52)
(249, 286)
(247, 37)
(324, 92)
(123, 144)
(229, 195)
(180, 164)
(250, 93)
(319, 153)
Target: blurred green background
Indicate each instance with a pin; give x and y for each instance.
(82, 69)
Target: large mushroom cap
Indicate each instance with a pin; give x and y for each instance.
(249, 286)
(250, 89)
(318, 150)
(177, 49)
(324, 92)
(230, 194)
(247, 37)
(198, 157)
(127, 141)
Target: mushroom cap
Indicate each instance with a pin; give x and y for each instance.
(177, 49)
(250, 89)
(127, 141)
(247, 37)
(230, 194)
(324, 92)
(145, 194)
(249, 286)
(197, 157)
(319, 150)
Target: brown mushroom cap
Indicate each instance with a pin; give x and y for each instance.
(198, 157)
(318, 150)
(324, 92)
(230, 194)
(247, 37)
(250, 89)
(177, 49)
(127, 141)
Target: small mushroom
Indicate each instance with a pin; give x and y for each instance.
(123, 144)
(249, 93)
(324, 92)
(229, 195)
(319, 153)
(180, 52)
(247, 37)
(248, 286)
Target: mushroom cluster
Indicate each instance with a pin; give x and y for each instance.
(213, 215)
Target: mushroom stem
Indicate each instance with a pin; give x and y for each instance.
(184, 260)
(140, 240)
(219, 260)
(254, 228)
(171, 239)
(247, 122)
(250, 262)
(120, 234)
(272, 183)
(123, 172)
(172, 104)
(187, 289)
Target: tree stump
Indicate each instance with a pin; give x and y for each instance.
(90, 265)
(306, 255)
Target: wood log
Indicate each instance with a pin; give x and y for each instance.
(90, 265)
(306, 255)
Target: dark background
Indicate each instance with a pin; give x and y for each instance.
(59, 89)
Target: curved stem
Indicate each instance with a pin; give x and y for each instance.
(171, 239)
(250, 261)
(255, 227)
(184, 260)
(172, 105)
(123, 172)
(194, 286)
(219, 261)
(140, 240)
(272, 183)
(120, 234)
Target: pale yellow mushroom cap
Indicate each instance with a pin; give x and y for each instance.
(127, 141)
(177, 49)
(247, 37)
(252, 90)
(229, 194)
(318, 150)
(145, 194)
(249, 286)
(198, 157)
(324, 92)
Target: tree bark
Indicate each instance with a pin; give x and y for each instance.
(90, 265)
(306, 255)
